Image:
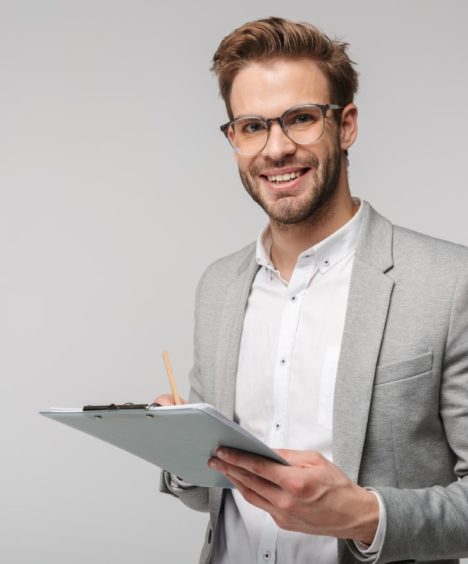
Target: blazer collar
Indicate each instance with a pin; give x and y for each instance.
(229, 334)
(375, 243)
(368, 304)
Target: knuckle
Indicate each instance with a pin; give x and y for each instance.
(296, 487)
(164, 399)
(257, 467)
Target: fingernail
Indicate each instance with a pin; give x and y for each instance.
(213, 464)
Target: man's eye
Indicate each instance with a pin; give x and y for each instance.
(303, 119)
(252, 127)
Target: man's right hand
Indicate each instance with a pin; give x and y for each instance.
(167, 399)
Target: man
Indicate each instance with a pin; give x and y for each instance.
(337, 336)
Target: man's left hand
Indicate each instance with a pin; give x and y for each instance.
(312, 495)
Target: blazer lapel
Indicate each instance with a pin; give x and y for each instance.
(368, 302)
(229, 335)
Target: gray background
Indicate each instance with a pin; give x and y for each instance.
(117, 189)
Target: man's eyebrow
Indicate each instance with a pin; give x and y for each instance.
(297, 106)
(248, 116)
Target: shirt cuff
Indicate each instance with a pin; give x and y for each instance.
(372, 551)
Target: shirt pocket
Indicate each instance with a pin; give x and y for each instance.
(404, 369)
(327, 387)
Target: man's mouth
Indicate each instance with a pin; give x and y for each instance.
(286, 176)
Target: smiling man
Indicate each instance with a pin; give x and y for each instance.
(337, 338)
(294, 166)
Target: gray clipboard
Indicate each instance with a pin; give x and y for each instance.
(179, 438)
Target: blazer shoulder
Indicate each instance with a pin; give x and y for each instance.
(425, 250)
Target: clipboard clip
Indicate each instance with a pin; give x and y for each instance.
(116, 407)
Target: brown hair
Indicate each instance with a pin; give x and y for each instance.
(274, 38)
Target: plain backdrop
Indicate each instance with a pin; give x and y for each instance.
(117, 189)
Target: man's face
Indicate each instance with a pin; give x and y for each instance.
(267, 90)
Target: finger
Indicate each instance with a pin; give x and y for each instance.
(252, 496)
(242, 476)
(164, 399)
(277, 478)
(265, 468)
(248, 479)
(300, 458)
(263, 492)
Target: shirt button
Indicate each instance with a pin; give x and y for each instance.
(266, 555)
(293, 299)
(278, 426)
(283, 361)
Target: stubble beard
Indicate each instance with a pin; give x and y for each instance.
(288, 210)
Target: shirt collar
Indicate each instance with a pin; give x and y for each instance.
(325, 254)
(264, 248)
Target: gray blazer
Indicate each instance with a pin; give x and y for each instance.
(400, 420)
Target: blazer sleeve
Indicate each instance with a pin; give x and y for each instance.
(195, 497)
(432, 523)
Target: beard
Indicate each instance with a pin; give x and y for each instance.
(287, 209)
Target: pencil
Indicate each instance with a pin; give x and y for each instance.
(170, 377)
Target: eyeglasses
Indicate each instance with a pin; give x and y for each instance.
(304, 125)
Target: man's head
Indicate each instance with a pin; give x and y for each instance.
(264, 69)
(278, 38)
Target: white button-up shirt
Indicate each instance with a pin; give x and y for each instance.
(288, 359)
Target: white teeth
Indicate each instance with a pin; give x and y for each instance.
(285, 177)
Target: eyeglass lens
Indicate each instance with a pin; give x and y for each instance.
(303, 125)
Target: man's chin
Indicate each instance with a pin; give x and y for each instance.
(287, 207)
(288, 213)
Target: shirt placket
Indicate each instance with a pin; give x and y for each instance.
(294, 295)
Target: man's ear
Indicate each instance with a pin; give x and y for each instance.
(349, 126)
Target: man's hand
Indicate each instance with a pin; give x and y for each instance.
(312, 495)
(167, 399)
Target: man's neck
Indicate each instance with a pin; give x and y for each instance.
(289, 241)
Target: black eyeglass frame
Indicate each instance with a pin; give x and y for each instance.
(280, 120)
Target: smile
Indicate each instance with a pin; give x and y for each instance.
(286, 176)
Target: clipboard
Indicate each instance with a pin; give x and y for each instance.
(179, 438)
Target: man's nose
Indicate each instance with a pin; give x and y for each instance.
(278, 144)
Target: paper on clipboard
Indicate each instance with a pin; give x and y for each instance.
(178, 438)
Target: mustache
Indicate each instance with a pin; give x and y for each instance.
(267, 164)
